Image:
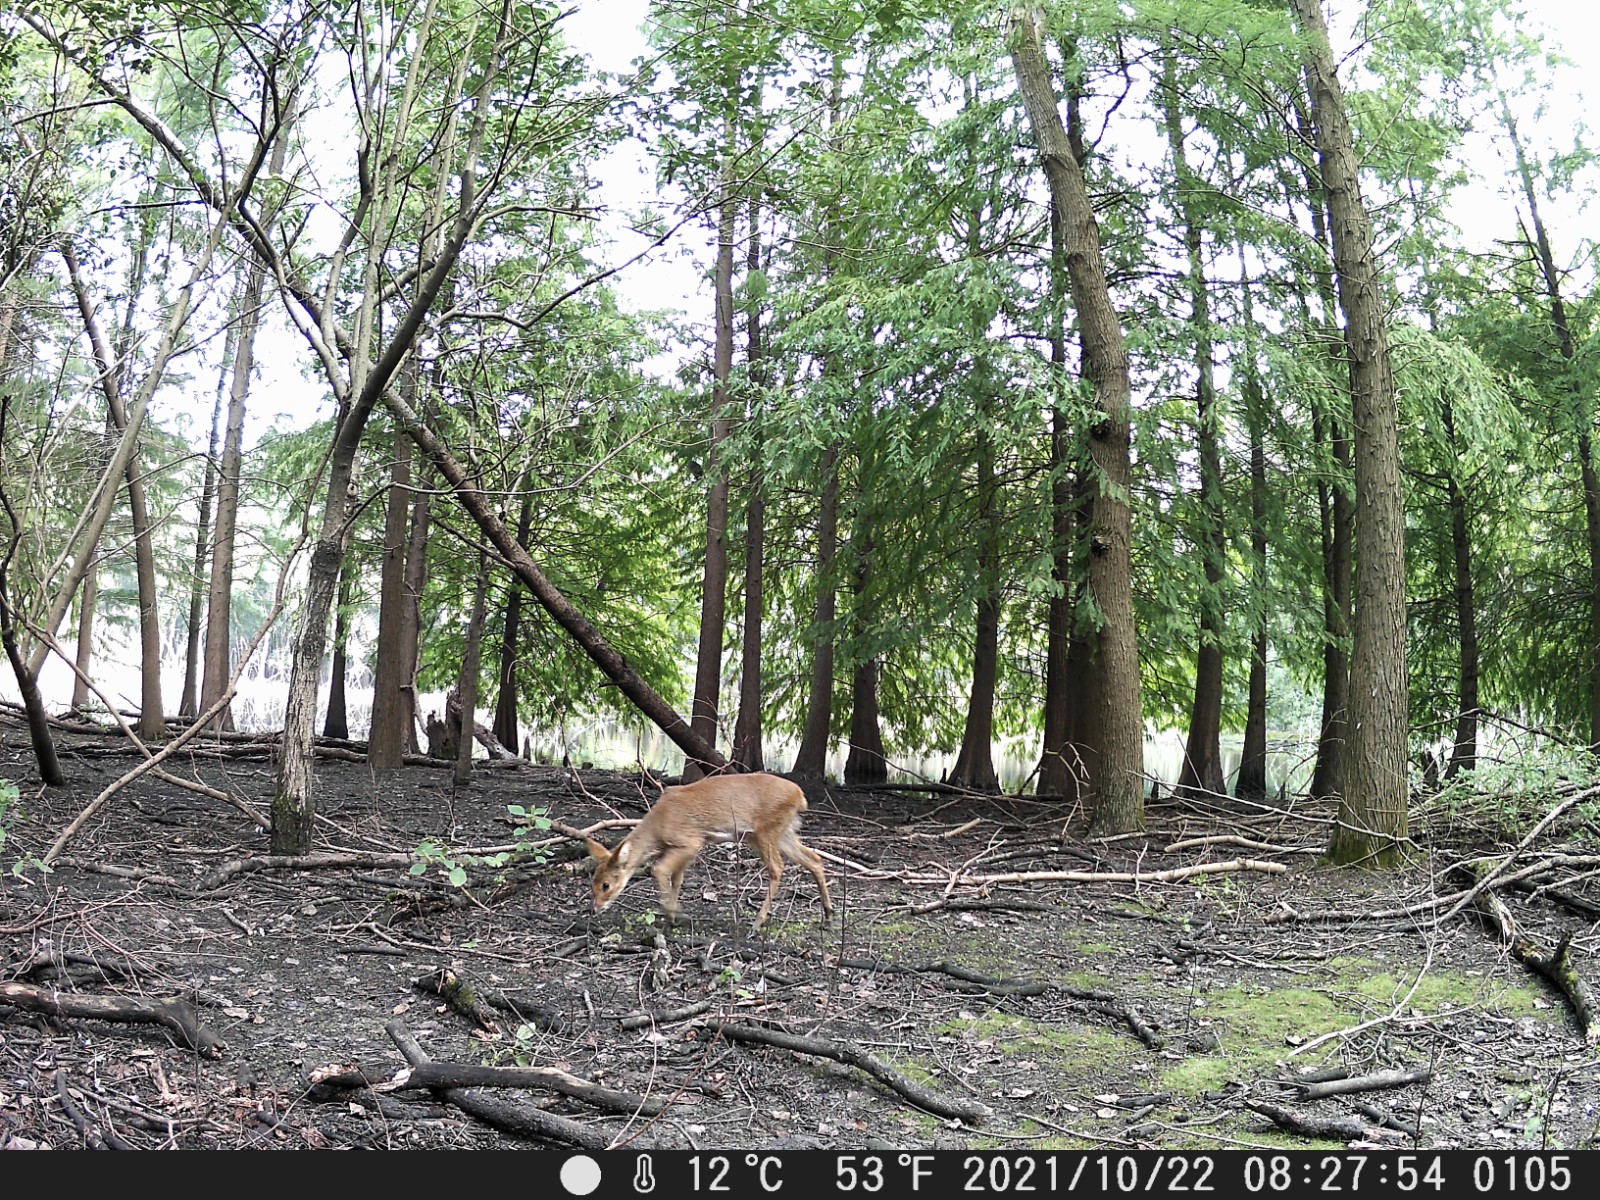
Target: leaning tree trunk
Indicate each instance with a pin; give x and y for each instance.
(1119, 803)
(1372, 821)
(482, 509)
(152, 720)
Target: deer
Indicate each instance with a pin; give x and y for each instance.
(763, 810)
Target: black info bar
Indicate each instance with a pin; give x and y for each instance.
(810, 1174)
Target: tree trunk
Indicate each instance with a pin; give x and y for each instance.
(370, 380)
(974, 765)
(1202, 755)
(44, 746)
(505, 708)
(411, 616)
(703, 709)
(866, 762)
(1336, 508)
(219, 605)
(1372, 822)
(88, 599)
(468, 687)
(1464, 754)
(387, 733)
(746, 751)
(152, 720)
(1252, 781)
(187, 704)
(336, 722)
(1119, 802)
(811, 760)
(747, 728)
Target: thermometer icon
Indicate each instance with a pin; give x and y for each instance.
(644, 1179)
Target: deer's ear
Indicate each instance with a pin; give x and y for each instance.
(598, 850)
(624, 853)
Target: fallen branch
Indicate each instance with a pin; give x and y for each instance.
(1234, 839)
(455, 1075)
(1376, 1081)
(1343, 1129)
(1555, 965)
(666, 1016)
(171, 1012)
(1138, 877)
(502, 1114)
(230, 868)
(970, 1111)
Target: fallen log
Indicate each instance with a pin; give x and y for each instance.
(169, 1012)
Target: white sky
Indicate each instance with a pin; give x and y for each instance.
(675, 277)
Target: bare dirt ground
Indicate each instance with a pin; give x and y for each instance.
(966, 994)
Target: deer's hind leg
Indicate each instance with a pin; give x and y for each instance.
(802, 855)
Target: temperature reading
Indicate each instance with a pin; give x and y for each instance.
(710, 1175)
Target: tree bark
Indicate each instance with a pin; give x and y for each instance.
(336, 721)
(1372, 821)
(1119, 802)
(1336, 510)
(1058, 775)
(866, 762)
(505, 708)
(386, 735)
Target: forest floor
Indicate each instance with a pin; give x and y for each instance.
(1053, 1012)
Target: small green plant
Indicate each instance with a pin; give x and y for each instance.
(453, 864)
(433, 854)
